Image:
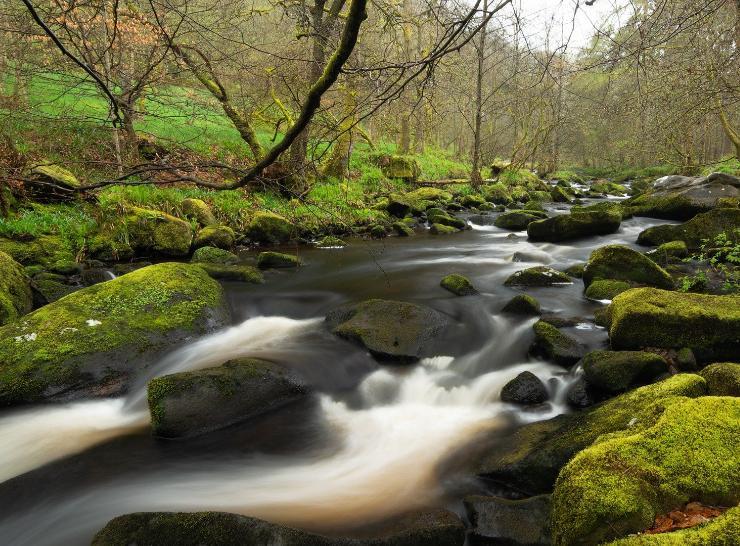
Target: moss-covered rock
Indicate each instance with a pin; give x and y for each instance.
(45, 250)
(154, 233)
(16, 298)
(621, 263)
(497, 194)
(537, 276)
(574, 226)
(269, 228)
(400, 167)
(529, 458)
(399, 206)
(551, 343)
(330, 241)
(575, 271)
(560, 195)
(50, 183)
(723, 378)
(619, 484)
(721, 531)
(213, 255)
(518, 220)
(441, 229)
(437, 216)
(110, 246)
(49, 290)
(237, 273)
(606, 289)
(106, 334)
(438, 527)
(666, 251)
(390, 330)
(192, 403)
(522, 304)
(402, 230)
(458, 285)
(378, 231)
(526, 388)
(429, 194)
(648, 317)
(617, 371)
(218, 236)
(703, 226)
(506, 521)
(199, 211)
(609, 188)
(473, 200)
(277, 260)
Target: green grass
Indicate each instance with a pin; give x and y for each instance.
(73, 223)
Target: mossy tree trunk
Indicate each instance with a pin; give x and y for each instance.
(338, 163)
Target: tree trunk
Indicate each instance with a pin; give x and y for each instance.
(475, 175)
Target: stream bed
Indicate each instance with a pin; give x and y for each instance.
(372, 441)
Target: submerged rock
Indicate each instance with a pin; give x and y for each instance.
(522, 304)
(529, 458)
(511, 522)
(621, 263)
(16, 298)
(213, 255)
(438, 527)
(269, 228)
(554, 345)
(723, 378)
(192, 403)
(277, 260)
(518, 220)
(525, 388)
(93, 342)
(216, 236)
(648, 317)
(390, 330)
(537, 276)
(684, 450)
(574, 226)
(703, 226)
(617, 371)
(458, 285)
(154, 233)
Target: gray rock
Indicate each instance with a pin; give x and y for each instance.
(512, 522)
(525, 388)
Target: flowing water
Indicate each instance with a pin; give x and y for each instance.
(373, 440)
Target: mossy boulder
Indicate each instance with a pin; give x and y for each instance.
(399, 206)
(703, 226)
(437, 216)
(400, 167)
(110, 246)
(378, 231)
(551, 343)
(538, 276)
(51, 183)
(330, 241)
(529, 458)
(684, 450)
(213, 235)
(723, 378)
(49, 290)
(574, 225)
(390, 330)
(441, 229)
(617, 371)
(213, 255)
(526, 388)
(621, 263)
(438, 527)
(458, 285)
(16, 298)
(522, 304)
(497, 194)
(429, 194)
(609, 188)
(98, 339)
(236, 273)
(154, 233)
(720, 531)
(199, 211)
(473, 200)
(402, 230)
(518, 220)
(649, 317)
(606, 289)
(269, 228)
(560, 195)
(192, 403)
(507, 521)
(667, 251)
(277, 260)
(45, 250)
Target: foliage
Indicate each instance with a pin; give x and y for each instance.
(722, 255)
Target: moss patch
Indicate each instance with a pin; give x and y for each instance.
(269, 228)
(621, 263)
(617, 371)
(723, 378)
(458, 285)
(703, 226)
(152, 232)
(606, 289)
(218, 236)
(238, 273)
(269, 260)
(15, 290)
(522, 304)
(537, 276)
(213, 255)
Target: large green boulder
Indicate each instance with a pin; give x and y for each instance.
(682, 197)
(46, 250)
(435, 195)
(269, 228)
(574, 226)
(438, 527)
(522, 304)
(683, 450)
(441, 229)
(16, 298)
(497, 194)
(192, 403)
(551, 343)
(537, 276)
(154, 233)
(390, 330)
(529, 458)
(607, 187)
(649, 317)
(51, 183)
(723, 378)
(606, 289)
(560, 195)
(518, 220)
(216, 236)
(622, 263)
(703, 226)
(98, 339)
(437, 216)
(617, 371)
(213, 255)
(399, 167)
(458, 285)
(199, 211)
